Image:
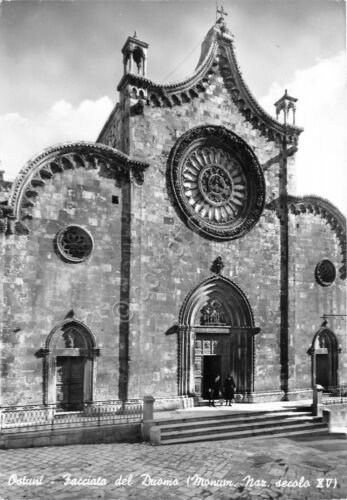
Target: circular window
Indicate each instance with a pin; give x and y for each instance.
(217, 182)
(325, 273)
(74, 243)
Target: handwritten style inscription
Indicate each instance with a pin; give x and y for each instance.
(191, 481)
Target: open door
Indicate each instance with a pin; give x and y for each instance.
(211, 368)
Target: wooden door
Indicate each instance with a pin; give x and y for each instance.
(69, 382)
(322, 370)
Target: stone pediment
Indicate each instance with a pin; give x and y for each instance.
(54, 160)
(217, 56)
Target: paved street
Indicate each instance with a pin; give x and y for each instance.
(251, 469)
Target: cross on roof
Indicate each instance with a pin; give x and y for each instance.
(221, 11)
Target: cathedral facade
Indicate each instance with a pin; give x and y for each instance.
(172, 250)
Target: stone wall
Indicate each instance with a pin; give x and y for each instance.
(168, 259)
(336, 417)
(146, 256)
(40, 289)
(311, 240)
(125, 433)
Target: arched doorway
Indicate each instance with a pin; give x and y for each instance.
(69, 365)
(324, 354)
(215, 336)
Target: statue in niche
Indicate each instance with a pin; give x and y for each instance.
(322, 341)
(213, 313)
(205, 315)
(69, 339)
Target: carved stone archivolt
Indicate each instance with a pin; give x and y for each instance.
(216, 316)
(216, 182)
(70, 338)
(219, 290)
(111, 162)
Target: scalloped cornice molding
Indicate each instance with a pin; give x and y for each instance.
(57, 159)
(245, 101)
(316, 205)
(217, 54)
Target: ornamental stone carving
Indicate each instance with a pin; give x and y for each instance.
(213, 313)
(74, 244)
(217, 265)
(216, 182)
(217, 57)
(325, 273)
(71, 156)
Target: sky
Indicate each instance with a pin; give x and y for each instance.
(60, 63)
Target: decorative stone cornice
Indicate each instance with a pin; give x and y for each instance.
(171, 91)
(323, 208)
(247, 104)
(217, 55)
(68, 156)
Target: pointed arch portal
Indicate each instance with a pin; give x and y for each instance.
(324, 352)
(69, 365)
(215, 336)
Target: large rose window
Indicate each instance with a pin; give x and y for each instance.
(216, 182)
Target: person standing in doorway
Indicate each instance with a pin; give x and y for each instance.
(229, 390)
(210, 397)
(217, 388)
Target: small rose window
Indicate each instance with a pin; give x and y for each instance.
(325, 273)
(74, 244)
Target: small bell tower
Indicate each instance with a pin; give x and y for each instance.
(135, 56)
(285, 104)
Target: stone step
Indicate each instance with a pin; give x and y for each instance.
(268, 432)
(232, 420)
(216, 426)
(295, 407)
(231, 415)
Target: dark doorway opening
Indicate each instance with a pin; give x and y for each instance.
(70, 383)
(322, 370)
(325, 359)
(212, 366)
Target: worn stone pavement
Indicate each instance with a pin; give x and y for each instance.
(242, 469)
